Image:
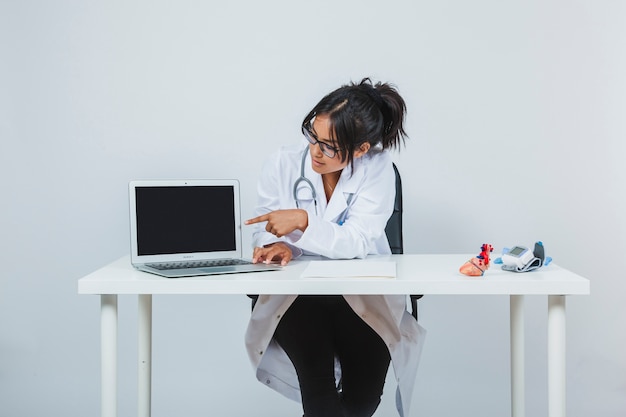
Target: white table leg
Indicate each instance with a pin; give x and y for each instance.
(144, 388)
(108, 358)
(517, 355)
(556, 356)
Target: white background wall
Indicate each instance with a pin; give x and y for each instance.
(517, 123)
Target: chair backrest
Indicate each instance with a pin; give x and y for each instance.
(393, 230)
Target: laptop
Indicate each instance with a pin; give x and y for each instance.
(183, 228)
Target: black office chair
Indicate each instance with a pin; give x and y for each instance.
(393, 230)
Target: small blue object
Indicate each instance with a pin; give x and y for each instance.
(499, 260)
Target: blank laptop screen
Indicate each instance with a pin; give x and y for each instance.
(187, 219)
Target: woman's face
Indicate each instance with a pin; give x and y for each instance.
(321, 163)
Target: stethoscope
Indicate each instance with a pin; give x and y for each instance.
(307, 182)
(304, 180)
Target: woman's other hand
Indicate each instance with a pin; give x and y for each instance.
(275, 252)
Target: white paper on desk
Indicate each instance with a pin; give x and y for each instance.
(350, 268)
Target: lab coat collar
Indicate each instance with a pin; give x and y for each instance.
(348, 185)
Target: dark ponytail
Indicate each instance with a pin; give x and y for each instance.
(393, 110)
(363, 112)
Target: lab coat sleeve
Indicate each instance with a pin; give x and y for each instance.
(366, 217)
(274, 191)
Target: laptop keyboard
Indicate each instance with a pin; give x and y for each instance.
(198, 264)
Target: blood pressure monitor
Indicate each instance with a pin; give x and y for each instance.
(518, 257)
(522, 259)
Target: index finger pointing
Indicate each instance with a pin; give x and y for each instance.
(258, 219)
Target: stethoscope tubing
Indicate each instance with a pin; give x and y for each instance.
(304, 179)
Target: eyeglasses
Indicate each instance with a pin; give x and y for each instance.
(329, 151)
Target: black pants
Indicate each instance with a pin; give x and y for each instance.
(312, 332)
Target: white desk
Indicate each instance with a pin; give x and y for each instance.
(416, 274)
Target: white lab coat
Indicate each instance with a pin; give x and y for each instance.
(362, 202)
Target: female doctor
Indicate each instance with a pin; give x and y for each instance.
(333, 198)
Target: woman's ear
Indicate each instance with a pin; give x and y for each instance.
(363, 149)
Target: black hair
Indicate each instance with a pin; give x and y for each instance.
(360, 113)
